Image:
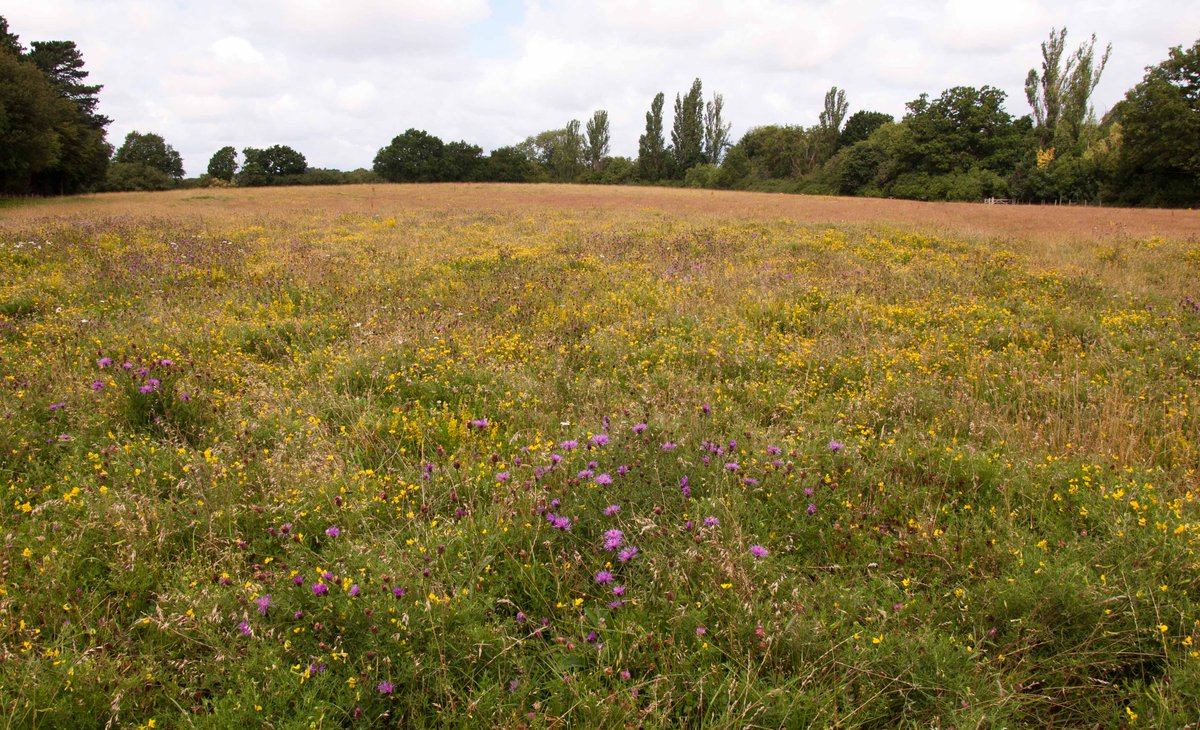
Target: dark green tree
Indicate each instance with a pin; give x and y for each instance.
(508, 164)
(965, 127)
(860, 125)
(598, 139)
(415, 156)
(652, 147)
(29, 112)
(9, 42)
(461, 162)
(271, 165)
(223, 164)
(1159, 158)
(716, 130)
(152, 151)
(687, 129)
(62, 63)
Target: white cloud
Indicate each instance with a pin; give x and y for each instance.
(339, 80)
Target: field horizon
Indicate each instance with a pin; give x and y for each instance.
(552, 456)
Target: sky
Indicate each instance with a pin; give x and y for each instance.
(338, 79)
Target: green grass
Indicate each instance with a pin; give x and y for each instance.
(973, 470)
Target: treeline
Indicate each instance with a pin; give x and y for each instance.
(962, 144)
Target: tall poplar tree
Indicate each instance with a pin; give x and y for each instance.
(687, 131)
(652, 152)
(598, 139)
(716, 130)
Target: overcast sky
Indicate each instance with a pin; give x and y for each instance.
(337, 79)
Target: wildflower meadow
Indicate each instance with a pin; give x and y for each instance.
(427, 456)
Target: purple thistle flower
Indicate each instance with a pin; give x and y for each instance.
(732, 466)
(555, 458)
(298, 580)
(604, 479)
(622, 470)
(774, 450)
(147, 388)
(57, 406)
(618, 590)
(706, 408)
(836, 445)
(600, 439)
(398, 592)
(812, 509)
(625, 675)
(638, 428)
(627, 554)
(749, 481)
(384, 688)
(585, 474)
(244, 628)
(166, 363)
(562, 523)
(669, 446)
(808, 492)
(521, 617)
(480, 423)
(333, 531)
(97, 385)
(701, 631)
(354, 590)
(320, 589)
(613, 539)
(758, 551)
(604, 577)
(568, 445)
(611, 509)
(502, 477)
(711, 522)
(263, 603)
(616, 604)
(104, 362)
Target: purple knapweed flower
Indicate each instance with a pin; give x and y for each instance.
(562, 523)
(57, 406)
(354, 590)
(836, 445)
(618, 590)
(555, 458)
(749, 481)
(333, 531)
(711, 522)
(104, 362)
(812, 509)
(384, 688)
(568, 445)
(604, 577)
(320, 589)
(669, 446)
(298, 580)
(398, 592)
(622, 470)
(263, 603)
(639, 427)
(245, 629)
(758, 551)
(166, 363)
(774, 450)
(613, 539)
(503, 477)
(600, 439)
(480, 423)
(627, 554)
(585, 474)
(732, 466)
(604, 479)
(611, 509)
(97, 385)
(706, 408)
(147, 388)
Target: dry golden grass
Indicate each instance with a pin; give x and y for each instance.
(1020, 222)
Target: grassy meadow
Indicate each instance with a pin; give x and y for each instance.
(549, 457)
